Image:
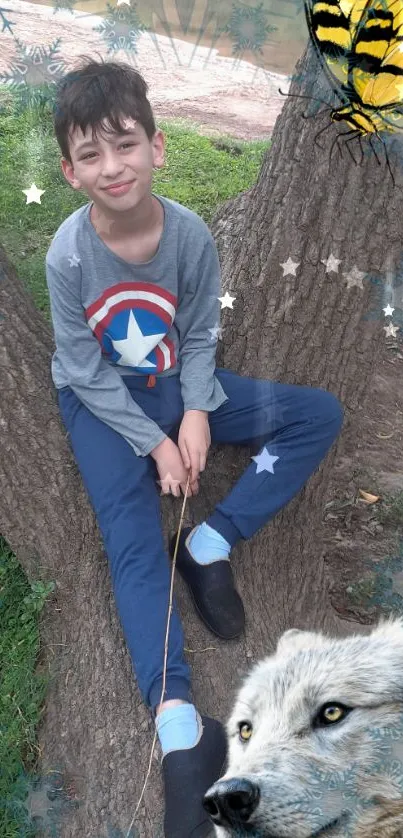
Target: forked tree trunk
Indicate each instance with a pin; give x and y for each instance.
(306, 329)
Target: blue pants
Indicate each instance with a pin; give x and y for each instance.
(290, 427)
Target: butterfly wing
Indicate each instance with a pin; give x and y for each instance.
(360, 46)
(329, 27)
(377, 71)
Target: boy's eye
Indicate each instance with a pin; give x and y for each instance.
(86, 156)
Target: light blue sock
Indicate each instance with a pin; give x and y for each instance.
(207, 545)
(178, 728)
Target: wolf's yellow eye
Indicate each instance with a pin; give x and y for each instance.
(333, 713)
(245, 731)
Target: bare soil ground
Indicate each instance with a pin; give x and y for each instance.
(364, 541)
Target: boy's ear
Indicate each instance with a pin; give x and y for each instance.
(158, 144)
(68, 172)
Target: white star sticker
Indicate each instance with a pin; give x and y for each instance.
(216, 332)
(167, 482)
(264, 461)
(74, 260)
(136, 346)
(354, 277)
(226, 301)
(33, 194)
(332, 264)
(289, 267)
(273, 414)
(388, 310)
(391, 330)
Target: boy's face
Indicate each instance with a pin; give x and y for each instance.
(114, 159)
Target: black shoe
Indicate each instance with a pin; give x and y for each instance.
(212, 589)
(187, 775)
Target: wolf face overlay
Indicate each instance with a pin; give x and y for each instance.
(316, 741)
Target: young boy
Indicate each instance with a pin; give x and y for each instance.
(134, 285)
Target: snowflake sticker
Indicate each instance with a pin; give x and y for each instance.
(121, 28)
(383, 587)
(34, 72)
(46, 802)
(6, 24)
(64, 6)
(332, 794)
(248, 28)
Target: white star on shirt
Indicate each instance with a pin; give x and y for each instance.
(354, 277)
(265, 461)
(332, 264)
(226, 301)
(74, 260)
(388, 310)
(33, 194)
(289, 267)
(136, 346)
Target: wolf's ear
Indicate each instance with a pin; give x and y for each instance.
(389, 627)
(294, 639)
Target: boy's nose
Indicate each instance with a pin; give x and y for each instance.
(112, 168)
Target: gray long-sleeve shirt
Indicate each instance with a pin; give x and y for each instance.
(113, 318)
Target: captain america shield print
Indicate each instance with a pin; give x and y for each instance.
(131, 321)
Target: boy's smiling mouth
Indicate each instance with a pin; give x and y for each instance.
(118, 185)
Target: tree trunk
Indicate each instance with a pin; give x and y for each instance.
(305, 329)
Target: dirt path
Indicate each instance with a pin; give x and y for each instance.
(241, 100)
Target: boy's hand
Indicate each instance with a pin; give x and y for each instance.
(194, 440)
(172, 472)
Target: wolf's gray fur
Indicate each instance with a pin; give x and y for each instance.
(308, 772)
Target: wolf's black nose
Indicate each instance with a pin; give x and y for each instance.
(231, 802)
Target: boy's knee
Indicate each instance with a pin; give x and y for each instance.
(331, 409)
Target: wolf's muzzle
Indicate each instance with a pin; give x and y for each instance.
(231, 802)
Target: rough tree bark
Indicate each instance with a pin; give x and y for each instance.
(306, 329)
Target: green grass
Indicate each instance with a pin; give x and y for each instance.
(197, 174)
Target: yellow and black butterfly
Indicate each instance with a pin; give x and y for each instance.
(360, 47)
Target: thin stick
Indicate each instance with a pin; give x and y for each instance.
(165, 653)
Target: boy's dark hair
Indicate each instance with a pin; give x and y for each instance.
(97, 91)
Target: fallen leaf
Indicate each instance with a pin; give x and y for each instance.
(367, 497)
